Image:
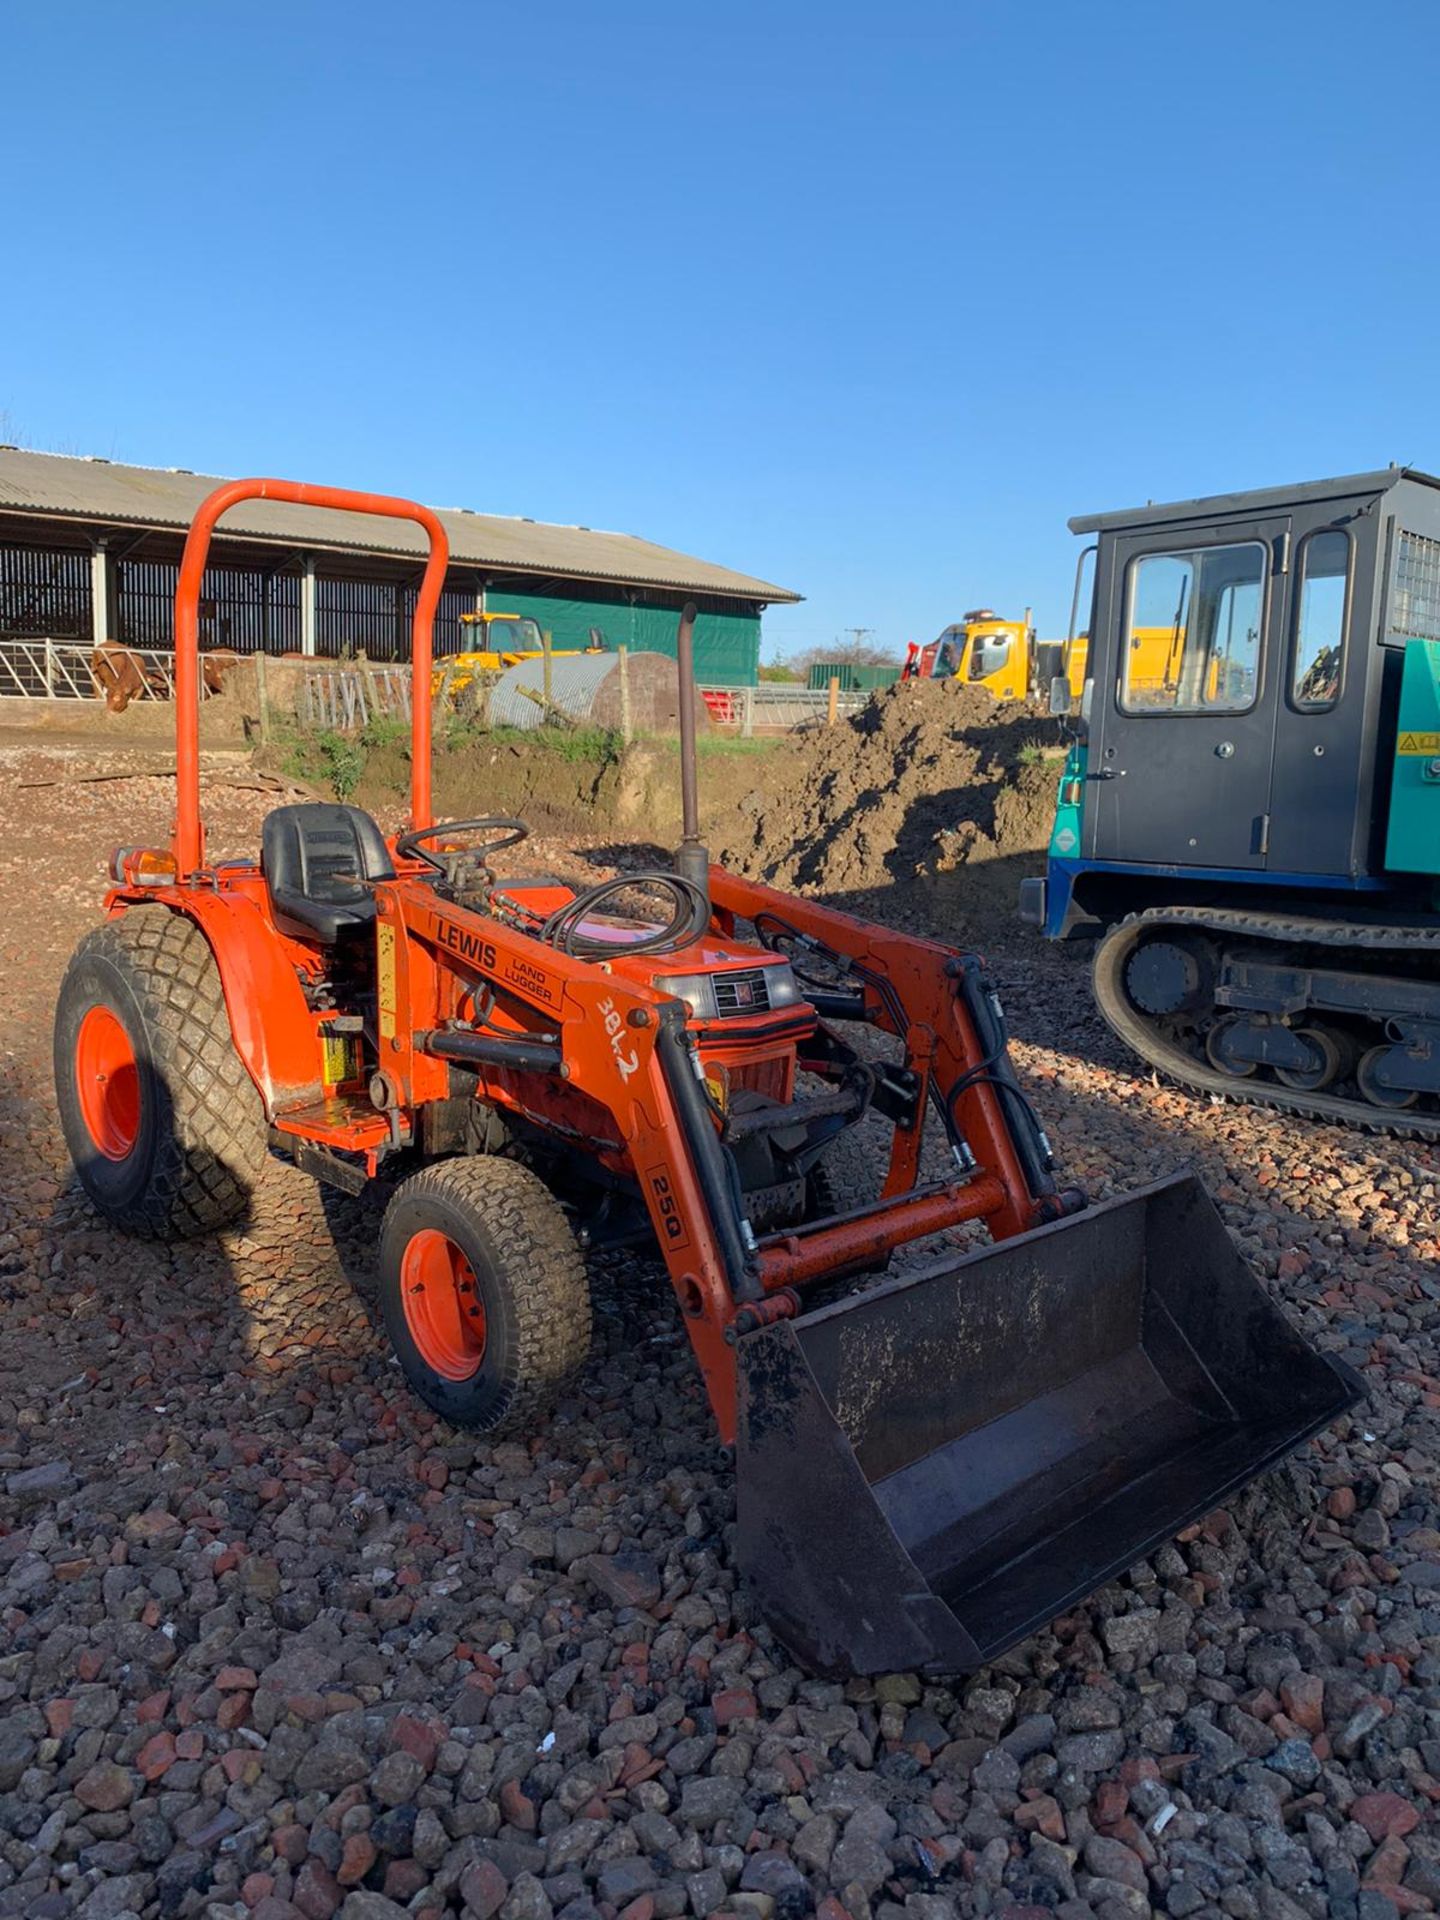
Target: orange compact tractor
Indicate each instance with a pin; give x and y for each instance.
(929, 1467)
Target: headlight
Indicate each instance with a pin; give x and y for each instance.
(697, 990)
(142, 867)
(784, 988)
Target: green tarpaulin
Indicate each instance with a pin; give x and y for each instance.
(727, 641)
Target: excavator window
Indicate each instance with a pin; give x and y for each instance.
(1323, 570)
(1193, 630)
(1415, 596)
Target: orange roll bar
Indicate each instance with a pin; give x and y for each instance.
(188, 843)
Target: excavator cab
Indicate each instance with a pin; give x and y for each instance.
(1248, 824)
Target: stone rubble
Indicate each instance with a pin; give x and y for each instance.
(275, 1643)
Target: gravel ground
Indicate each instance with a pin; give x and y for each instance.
(275, 1642)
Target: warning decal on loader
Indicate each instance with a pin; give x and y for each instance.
(1419, 743)
(385, 971)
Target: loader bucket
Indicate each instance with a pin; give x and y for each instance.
(935, 1469)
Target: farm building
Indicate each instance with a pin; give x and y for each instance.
(89, 552)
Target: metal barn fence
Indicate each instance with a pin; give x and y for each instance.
(242, 609)
(44, 591)
(51, 669)
(343, 696)
(247, 609)
(374, 617)
(776, 707)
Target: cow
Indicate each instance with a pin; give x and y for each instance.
(123, 675)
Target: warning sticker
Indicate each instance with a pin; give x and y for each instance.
(1426, 743)
(385, 958)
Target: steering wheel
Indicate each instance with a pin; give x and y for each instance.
(509, 833)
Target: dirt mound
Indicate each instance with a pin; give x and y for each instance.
(927, 777)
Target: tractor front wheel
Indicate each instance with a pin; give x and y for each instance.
(163, 1122)
(484, 1293)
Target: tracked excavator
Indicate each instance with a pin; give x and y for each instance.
(1252, 837)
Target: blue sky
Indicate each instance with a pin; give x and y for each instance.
(863, 300)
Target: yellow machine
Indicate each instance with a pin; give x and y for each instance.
(1156, 654)
(506, 639)
(1002, 656)
(1005, 658)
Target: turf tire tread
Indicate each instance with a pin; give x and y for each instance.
(211, 1153)
(543, 1272)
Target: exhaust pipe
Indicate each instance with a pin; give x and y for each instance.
(692, 859)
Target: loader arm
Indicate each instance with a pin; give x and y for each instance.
(939, 1005)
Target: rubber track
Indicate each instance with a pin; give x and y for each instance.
(1300, 929)
(544, 1274)
(208, 1160)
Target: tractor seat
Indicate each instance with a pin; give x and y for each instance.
(314, 859)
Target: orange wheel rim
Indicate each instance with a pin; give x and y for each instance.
(107, 1077)
(443, 1308)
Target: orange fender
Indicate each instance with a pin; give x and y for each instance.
(275, 1032)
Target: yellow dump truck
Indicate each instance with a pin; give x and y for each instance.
(1009, 662)
(1002, 656)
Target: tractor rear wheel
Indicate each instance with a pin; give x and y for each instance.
(484, 1293)
(164, 1124)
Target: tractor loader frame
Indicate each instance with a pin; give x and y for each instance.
(908, 1457)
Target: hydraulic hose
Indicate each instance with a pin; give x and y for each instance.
(689, 918)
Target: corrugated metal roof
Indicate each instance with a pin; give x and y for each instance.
(101, 491)
(1219, 506)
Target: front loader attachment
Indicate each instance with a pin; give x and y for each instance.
(931, 1471)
